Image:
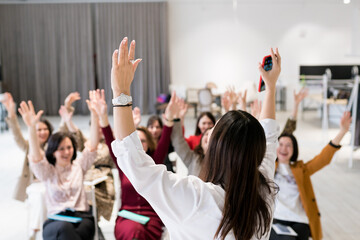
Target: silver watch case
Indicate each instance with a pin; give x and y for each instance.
(123, 99)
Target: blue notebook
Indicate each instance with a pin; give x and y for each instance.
(134, 217)
(65, 218)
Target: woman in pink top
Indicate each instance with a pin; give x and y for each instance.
(63, 175)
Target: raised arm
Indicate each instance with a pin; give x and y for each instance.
(30, 118)
(94, 126)
(270, 79)
(344, 128)
(242, 100)
(298, 97)
(327, 153)
(122, 74)
(66, 118)
(13, 122)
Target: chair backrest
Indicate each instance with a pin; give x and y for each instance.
(205, 97)
(192, 95)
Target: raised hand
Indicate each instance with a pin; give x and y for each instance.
(173, 108)
(72, 97)
(225, 101)
(9, 104)
(183, 107)
(65, 114)
(298, 97)
(28, 114)
(255, 108)
(136, 116)
(92, 101)
(242, 100)
(270, 77)
(123, 68)
(344, 128)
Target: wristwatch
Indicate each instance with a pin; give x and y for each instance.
(123, 99)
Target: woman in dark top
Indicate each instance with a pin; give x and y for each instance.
(130, 199)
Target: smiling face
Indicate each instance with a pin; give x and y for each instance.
(42, 132)
(155, 130)
(285, 150)
(205, 123)
(64, 152)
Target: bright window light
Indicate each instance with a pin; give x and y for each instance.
(347, 1)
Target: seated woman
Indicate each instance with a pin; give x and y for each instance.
(192, 159)
(233, 198)
(155, 127)
(63, 175)
(104, 191)
(131, 200)
(205, 121)
(27, 186)
(295, 203)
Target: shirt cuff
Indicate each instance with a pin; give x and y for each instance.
(121, 147)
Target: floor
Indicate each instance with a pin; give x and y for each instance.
(337, 187)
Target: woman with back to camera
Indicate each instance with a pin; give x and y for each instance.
(233, 198)
(295, 203)
(63, 175)
(27, 186)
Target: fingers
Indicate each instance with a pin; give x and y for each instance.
(261, 70)
(136, 63)
(102, 95)
(31, 106)
(278, 56)
(38, 115)
(132, 51)
(123, 51)
(115, 58)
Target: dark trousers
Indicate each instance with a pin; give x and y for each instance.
(302, 230)
(61, 230)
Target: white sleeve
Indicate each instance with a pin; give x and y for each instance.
(165, 191)
(272, 130)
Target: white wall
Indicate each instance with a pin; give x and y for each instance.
(213, 41)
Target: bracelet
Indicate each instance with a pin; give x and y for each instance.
(334, 145)
(172, 120)
(127, 105)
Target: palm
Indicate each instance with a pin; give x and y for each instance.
(9, 103)
(28, 114)
(123, 67)
(65, 114)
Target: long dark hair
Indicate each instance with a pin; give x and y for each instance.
(53, 144)
(236, 149)
(295, 154)
(207, 114)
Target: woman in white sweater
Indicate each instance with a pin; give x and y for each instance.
(233, 198)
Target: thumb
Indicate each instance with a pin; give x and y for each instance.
(38, 115)
(261, 70)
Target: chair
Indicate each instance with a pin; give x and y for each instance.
(92, 184)
(206, 103)
(192, 99)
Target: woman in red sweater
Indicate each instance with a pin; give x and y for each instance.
(126, 229)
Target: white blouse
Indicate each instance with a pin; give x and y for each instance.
(288, 203)
(64, 185)
(189, 207)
